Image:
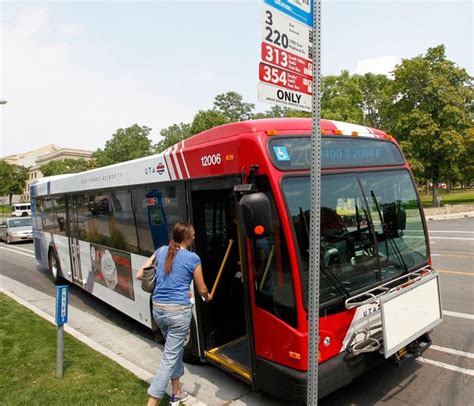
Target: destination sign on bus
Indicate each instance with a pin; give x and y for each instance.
(295, 153)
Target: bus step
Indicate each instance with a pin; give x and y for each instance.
(231, 357)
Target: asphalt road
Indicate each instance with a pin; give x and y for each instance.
(443, 376)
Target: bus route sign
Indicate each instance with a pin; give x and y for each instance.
(286, 67)
(62, 298)
(301, 10)
(285, 33)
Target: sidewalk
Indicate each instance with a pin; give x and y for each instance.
(448, 212)
(207, 385)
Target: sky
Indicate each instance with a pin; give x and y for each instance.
(72, 73)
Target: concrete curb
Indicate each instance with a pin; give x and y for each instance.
(449, 216)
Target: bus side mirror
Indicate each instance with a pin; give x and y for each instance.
(256, 214)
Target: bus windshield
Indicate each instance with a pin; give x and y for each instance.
(371, 229)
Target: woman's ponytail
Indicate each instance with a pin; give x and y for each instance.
(181, 232)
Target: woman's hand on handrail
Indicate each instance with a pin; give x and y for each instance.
(200, 284)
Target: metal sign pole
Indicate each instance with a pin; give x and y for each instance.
(60, 351)
(62, 299)
(314, 247)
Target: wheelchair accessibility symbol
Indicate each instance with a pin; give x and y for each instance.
(281, 153)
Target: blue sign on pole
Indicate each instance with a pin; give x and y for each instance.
(300, 10)
(62, 298)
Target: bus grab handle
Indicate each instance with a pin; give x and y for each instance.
(222, 267)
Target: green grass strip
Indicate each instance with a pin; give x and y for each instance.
(452, 197)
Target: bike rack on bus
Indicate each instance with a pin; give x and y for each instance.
(372, 295)
(373, 337)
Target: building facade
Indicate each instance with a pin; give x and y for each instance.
(33, 160)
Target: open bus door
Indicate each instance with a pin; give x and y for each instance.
(225, 333)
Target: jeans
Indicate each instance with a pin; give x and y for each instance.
(174, 321)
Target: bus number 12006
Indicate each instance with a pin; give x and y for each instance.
(208, 160)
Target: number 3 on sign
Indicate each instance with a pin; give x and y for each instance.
(271, 75)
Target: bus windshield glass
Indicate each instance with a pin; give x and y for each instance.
(371, 229)
(295, 153)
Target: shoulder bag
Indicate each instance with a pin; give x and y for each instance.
(149, 275)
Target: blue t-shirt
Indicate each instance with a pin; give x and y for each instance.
(174, 287)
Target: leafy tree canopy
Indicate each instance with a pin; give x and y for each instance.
(172, 135)
(60, 167)
(13, 178)
(232, 106)
(127, 143)
(429, 107)
(206, 119)
(341, 98)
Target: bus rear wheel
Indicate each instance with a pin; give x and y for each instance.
(54, 267)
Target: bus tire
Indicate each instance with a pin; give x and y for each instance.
(54, 266)
(188, 355)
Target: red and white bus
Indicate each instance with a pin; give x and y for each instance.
(246, 188)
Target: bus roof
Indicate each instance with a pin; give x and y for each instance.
(328, 127)
(174, 164)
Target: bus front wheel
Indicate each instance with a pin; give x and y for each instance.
(54, 267)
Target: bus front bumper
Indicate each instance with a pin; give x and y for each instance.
(333, 374)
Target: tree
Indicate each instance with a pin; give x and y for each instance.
(373, 88)
(231, 106)
(60, 167)
(172, 135)
(341, 98)
(127, 143)
(429, 107)
(13, 178)
(281, 112)
(206, 119)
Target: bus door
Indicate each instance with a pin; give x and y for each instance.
(73, 234)
(223, 323)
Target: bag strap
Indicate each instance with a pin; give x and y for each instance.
(158, 251)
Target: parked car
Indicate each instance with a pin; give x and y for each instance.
(16, 229)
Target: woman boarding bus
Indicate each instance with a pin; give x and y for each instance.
(246, 189)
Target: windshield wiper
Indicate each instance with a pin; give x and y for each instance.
(387, 234)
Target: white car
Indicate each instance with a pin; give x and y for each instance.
(16, 229)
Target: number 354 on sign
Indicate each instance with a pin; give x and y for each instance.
(289, 80)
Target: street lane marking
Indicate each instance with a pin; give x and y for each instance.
(452, 238)
(17, 252)
(461, 315)
(20, 248)
(451, 255)
(447, 366)
(456, 272)
(454, 232)
(451, 351)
